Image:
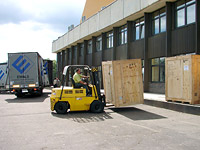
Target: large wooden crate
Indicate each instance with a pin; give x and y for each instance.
(182, 79)
(123, 84)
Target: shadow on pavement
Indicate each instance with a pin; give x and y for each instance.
(84, 116)
(136, 114)
(28, 99)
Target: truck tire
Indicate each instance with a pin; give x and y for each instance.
(61, 107)
(97, 106)
(40, 91)
(19, 95)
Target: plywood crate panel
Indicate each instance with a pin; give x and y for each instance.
(123, 84)
(182, 78)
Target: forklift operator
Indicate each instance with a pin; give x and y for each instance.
(77, 79)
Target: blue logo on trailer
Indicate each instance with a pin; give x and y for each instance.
(22, 64)
(46, 67)
(1, 74)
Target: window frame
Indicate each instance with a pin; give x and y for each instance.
(138, 23)
(159, 16)
(159, 65)
(89, 47)
(75, 51)
(109, 39)
(98, 43)
(81, 51)
(184, 8)
(122, 35)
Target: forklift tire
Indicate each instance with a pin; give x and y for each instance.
(61, 107)
(97, 107)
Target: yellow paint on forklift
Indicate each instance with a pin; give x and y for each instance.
(76, 98)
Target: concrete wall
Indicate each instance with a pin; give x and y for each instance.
(114, 15)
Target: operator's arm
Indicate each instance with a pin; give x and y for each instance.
(83, 82)
(82, 76)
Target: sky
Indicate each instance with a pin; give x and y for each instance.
(32, 25)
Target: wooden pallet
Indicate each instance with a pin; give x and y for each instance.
(176, 101)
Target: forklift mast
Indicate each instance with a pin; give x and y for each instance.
(96, 81)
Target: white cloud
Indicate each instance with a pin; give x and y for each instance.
(32, 25)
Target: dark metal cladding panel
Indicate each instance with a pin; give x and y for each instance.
(183, 40)
(89, 59)
(97, 58)
(81, 60)
(121, 52)
(107, 54)
(157, 45)
(137, 49)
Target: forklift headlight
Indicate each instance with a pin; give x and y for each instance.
(53, 93)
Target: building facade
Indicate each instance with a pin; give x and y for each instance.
(94, 6)
(134, 29)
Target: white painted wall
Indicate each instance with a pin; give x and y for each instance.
(107, 17)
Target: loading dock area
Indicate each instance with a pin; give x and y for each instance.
(28, 123)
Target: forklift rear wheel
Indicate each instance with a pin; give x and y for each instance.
(97, 106)
(61, 107)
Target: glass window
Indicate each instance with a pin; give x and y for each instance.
(185, 12)
(122, 35)
(158, 70)
(143, 70)
(163, 24)
(156, 26)
(142, 31)
(159, 21)
(75, 52)
(155, 74)
(99, 43)
(190, 14)
(89, 50)
(109, 39)
(139, 29)
(180, 17)
(70, 54)
(81, 52)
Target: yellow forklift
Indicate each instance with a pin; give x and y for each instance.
(76, 99)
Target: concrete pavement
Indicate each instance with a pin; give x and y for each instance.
(28, 123)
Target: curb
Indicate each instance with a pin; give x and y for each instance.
(185, 108)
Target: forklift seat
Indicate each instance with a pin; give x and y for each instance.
(73, 83)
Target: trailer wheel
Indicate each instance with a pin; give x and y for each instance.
(97, 107)
(61, 107)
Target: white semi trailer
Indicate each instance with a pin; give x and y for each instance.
(26, 73)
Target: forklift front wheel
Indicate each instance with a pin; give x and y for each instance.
(97, 106)
(61, 107)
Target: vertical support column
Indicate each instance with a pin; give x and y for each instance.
(168, 52)
(115, 41)
(78, 53)
(66, 57)
(147, 18)
(72, 55)
(103, 45)
(93, 50)
(85, 51)
(63, 60)
(67, 63)
(129, 33)
(59, 65)
(197, 27)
